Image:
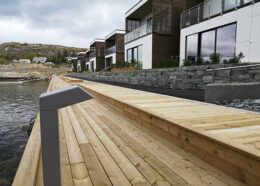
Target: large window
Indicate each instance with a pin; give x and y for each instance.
(149, 26)
(132, 25)
(134, 56)
(220, 40)
(226, 39)
(207, 44)
(192, 47)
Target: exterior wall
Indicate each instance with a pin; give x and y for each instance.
(144, 19)
(100, 63)
(113, 58)
(182, 78)
(146, 43)
(248, 29)
(166, 45)
(120, 57)
(94, 60)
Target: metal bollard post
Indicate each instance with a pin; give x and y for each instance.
(49, 105)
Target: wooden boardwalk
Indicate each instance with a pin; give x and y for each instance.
(130, 137)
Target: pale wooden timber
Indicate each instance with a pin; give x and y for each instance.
(109, 141)
(193, 126)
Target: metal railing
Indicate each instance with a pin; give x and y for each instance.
(49, 121)
(137, 33)
(210, 8)
(111, 50)
(231, 68)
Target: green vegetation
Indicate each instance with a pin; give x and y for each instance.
(54, 53)
(60, 57)
(3, 61)
(170, 63)
(237, 59)
(215, 58)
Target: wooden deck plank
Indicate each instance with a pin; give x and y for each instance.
(131, 137)
(124, 136)
(113, 171)
(178, 116)
(133, 175)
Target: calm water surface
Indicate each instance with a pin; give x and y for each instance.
(18, 104)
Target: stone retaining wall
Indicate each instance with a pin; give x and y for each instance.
(183, 78)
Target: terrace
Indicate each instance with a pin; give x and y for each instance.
(211, 8)
(114, 42)
(138, 23)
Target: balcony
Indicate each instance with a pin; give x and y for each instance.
(143, 30)
(92, 54)
(111, 50)
(211, 8)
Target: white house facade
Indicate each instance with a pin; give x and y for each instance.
(114, 48)
(138, 39)
(225, 27)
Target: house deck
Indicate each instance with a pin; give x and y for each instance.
(130, 137)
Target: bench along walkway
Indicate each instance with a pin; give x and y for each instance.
(129, 137)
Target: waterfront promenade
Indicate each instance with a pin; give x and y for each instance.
(131, 137)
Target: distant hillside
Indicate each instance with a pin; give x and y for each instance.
(54, 53)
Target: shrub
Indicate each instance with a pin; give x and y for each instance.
(215, 58)
(122, 65)
(170, 63)
(3, 61)
(199, 61)
(187, 62)
(237, 59)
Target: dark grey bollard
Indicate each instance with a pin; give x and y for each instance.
(49, 105)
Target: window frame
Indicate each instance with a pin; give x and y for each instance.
(200, 34)
(132, 55)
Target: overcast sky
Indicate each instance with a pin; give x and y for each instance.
(65, 22)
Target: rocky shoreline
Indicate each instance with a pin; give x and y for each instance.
(14, 72)
(247, 104)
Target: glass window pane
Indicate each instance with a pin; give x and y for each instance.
(226, 41)
(135, 56)
(192, 47)
(140, 57)
(229, 4)
(129, 26)
(245, 1)
(207, 45)
(204, 10)
(215, 7)
(129, 55)
(149, 25)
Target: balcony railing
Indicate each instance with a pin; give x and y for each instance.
(137, 33)
(92, 54)
(211, 8)
(111, 50)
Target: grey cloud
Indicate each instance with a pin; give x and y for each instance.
(81, 19)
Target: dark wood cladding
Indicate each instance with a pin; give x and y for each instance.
(100, 62)
(116, 40)
(98, 50)
(120, 48)
(166, 41)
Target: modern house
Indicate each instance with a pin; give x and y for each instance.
(40, 59)
(153, 31)
(81, 61)
(87, 56)
(224, 27)
(114, 48)
(96, 57)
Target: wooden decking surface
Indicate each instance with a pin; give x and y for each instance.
(130, 137)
